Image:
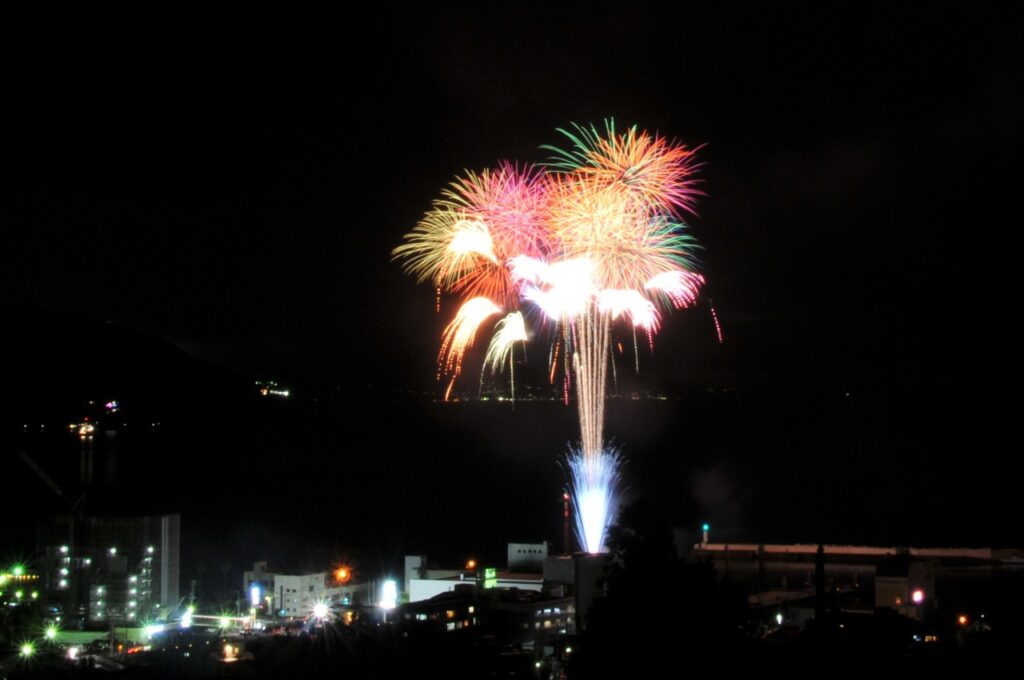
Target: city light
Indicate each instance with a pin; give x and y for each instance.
(27, 649)
(389, 595)
(51, 632)
(225, 622)
(917, 596)
(255, 595)
(321, 611)
(152, 629)
(113, 551)
(186, 618)
(64, 550)
(962, 619)
(342, 574)
(73, 652)
(471, 565)
(18, 570)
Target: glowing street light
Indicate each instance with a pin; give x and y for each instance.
(917, 596)
(342, 574)
(51, 633)
(27, 649)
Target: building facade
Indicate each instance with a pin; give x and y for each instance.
(111, 570)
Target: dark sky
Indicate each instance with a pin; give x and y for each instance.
(238, 192)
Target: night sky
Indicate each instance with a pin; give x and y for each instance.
(237, 193)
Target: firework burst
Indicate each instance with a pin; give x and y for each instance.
(655, 170)
(594, 236)
(507, 333)
(459, 336)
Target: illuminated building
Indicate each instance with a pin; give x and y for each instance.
(529, 619)
(119, 570)
(907, 586)
(288, 594)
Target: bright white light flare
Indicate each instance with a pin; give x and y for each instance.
(594, 480)
(321, 611)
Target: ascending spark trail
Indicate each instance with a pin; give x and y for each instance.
(718, 326)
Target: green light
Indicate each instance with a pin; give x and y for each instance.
(28, 649)
(19, 593)
(51, 632)
(35, 595)
(18, 570)
(225, 622)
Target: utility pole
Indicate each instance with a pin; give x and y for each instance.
(72, 509)
(565, 522)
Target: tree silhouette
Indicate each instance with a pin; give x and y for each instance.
(659, 612)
